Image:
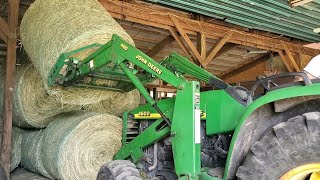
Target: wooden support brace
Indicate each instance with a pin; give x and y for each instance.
(3, 36)
(284, 60)
(216, 48)
(201, 44)
(296, 67)
(254, 62)
(186, 38)
(9, 85)
(181, 44)
(161, 45)
(4, 27)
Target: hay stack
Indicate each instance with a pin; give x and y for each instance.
(75, 145)
(31, 152)
(52, 27)
(33, 107)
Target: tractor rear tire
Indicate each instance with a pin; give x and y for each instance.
(287, 145)
(119, 170)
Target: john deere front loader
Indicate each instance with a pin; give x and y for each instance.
(227, 133)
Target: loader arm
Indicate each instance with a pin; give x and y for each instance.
(127, 67)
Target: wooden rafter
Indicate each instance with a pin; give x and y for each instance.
(9, 84)
(3, 37)
(201, 39)
(247, 65)
(161, 45)
(186, 38)
(202, 45)
(181, 44)
(291, 59)
(156, 18)
(216, 48)
(4, 27)
(284, 60)
(227, 47)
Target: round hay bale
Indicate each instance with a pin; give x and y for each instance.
(33, 107)
(117, 104)
(52, 27)
(31, 152)
(16, 140)
(76, 144)
(22, 174)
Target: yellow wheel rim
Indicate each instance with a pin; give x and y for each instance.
(304, 172)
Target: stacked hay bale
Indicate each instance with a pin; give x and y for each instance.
(16, 140)
(33, 107)
(67, 25)
(73, 146)
(31, 152)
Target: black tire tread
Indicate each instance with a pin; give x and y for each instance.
(122, 170)
(287, 145)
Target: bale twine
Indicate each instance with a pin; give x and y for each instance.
(75, 145)
(23, 174)
(31, 152)
(16, 139)
(52, 27)
(117, 104)
(33, 107)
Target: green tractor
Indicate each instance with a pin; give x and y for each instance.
(226, 133)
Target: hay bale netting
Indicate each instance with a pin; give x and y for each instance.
(33, 107)
(76, 144)
(67, 25)
(117, 104)
(31, 152)
(16, 140)
(23, 174)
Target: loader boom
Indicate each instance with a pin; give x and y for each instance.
(121, 62)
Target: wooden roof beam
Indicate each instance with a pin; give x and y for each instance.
(284, 60)
(249, 64)
(186, 38)
(181, 44)
(227, 47)
(291, 59)
(157, 18)
(161, 45)
(217, 47)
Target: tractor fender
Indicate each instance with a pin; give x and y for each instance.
(261, 115)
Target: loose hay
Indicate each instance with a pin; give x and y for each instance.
(31, 152)
(75, 145)
(22, 174)
(116, 104)
(52, 27)
(33, 107)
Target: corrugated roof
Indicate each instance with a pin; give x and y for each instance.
(268, 15)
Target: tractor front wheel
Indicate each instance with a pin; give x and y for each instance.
(119, 170)
(289, 151)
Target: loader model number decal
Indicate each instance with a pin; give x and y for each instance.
(124, 47)
(150, 65)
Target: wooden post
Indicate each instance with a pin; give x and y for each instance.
(9, 85)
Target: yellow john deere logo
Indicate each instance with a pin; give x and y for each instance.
(150, 65)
